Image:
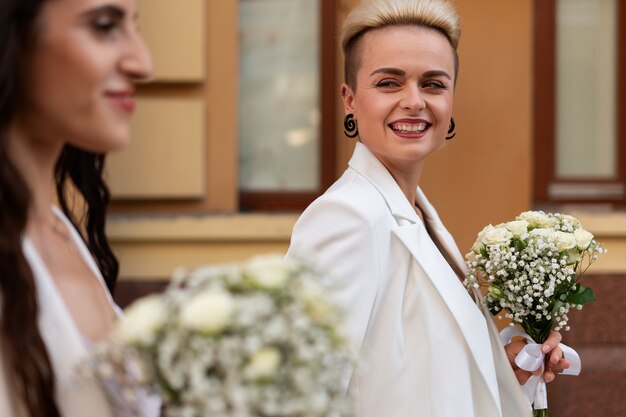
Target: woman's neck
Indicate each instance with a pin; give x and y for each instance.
(407, 177)
(35, 159)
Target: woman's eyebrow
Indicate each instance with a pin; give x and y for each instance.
(392, 71)
(107, 8)
(437, 73)
(399, 72)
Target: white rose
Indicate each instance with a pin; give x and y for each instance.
(482, 232)
(583, 238)
(496, 236)
(210, 312)
(574, 256)
(477, 246)
(309, 291)
(564, 241)
(322, 312)
(517, 227)
(318, 306)
(536, 219)
(548, 233)
(142, 320)
(263, 364)
(269, 272)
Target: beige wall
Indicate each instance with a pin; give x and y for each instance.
(183, 157)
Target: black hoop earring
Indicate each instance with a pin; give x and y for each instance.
(451, 133)
(349, 124)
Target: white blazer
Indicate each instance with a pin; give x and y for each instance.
(76, 396)
(426, 348)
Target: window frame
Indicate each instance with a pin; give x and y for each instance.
(548, 189)
(276, 201)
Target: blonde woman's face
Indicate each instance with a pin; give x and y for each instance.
(80, 72)
(404, 94)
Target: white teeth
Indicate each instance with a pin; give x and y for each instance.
(420, 127)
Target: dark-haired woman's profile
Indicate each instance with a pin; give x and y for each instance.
(67, 69)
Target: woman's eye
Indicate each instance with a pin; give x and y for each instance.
(105, 24)
(434, 85)
(387, 84)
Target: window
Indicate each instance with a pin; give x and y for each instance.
(287, 92)
(580, 99)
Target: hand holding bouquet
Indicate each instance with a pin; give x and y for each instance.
(531, 268)
(253, 339)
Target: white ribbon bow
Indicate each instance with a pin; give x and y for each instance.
(532, 358)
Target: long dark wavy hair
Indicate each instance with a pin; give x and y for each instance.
(25, 356)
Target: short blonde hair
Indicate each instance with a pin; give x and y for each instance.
(439, 15)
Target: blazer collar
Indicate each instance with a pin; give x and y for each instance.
(367, 164)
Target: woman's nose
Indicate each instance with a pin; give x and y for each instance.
(412, 99)
(136, 64)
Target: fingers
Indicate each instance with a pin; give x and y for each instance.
(522, 375)
(555, 368)
(554, 338)
(512, 350)
(555, 356)
(558, 367)
(554, 361)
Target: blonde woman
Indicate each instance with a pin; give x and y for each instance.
(428, 348)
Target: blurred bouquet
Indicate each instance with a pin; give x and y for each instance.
(532, 267)
(254, 339)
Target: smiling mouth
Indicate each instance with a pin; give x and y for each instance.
(124, 100)
(409, 128)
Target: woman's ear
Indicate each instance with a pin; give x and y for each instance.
(348, 98)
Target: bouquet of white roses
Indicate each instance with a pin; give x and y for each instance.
(254, 339)
(532, 267)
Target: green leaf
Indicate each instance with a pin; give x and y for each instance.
(520, 245)
(557, 305)
(581, 295)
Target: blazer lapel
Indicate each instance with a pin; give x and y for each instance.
(460, 304)
(441, 233)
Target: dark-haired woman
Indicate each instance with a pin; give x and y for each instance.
(67, 69)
